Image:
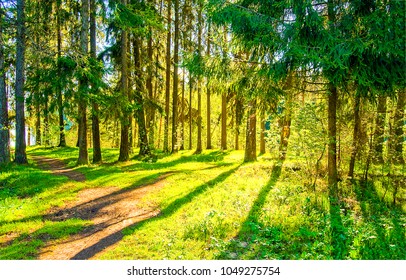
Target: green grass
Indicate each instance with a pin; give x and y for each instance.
(212, 207)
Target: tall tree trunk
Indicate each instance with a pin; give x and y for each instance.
(238, 120)
(150, 122)
(190, 111)
(332, 138)
(208, 146)
(140, 113)
(182, 113)
(262, 135)
(37, 123)
(287, 118)
(168, 79)
(380, 129)
(62, 141)
(175, 82)
(97, 156)
(20, 148)
(199, 92)
(224, 121)
(4, 126)
(355, 135)
(399, 120)
(83, 87)
(251, 133)
(46, 122)
(124, 139)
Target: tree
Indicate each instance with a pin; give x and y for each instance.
(4, 125)
(20, 151)
(208, 103)
(198, 83)
(97, 156)
(62, 141)
(175, 81)
(251, 133)
(124, 140)
(168, 78)
(398, 121)
(83, 87)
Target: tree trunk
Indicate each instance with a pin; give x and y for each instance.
(224, 121)
(182, 113)
(4, 126)
(190, 111)
(332, 138)
(175, 82)
(251, 133)
(83, 87)
(355, 135)
(199, 93)
(97, 156)
(37, 123)
(285, 127)
(20, 148)
(262, 136)
(399, 120)
(140, 113)
(380, 129)
(150, 122)
(168, 79)
(208, 105)
(46, 123)
(238, 120)
(124, 139)
(62, 141)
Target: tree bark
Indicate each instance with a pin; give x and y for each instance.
(399, 120)
(175, 82)
(62, 140)
(332, 138)
(199, 93)
(262, 135)
(20, 148)
(168, 79)
(124, 138)
(355, 135)
(83, 88)
(379, 130)
(208, 104)
(182, 113)
(140, 113)
(150, 121)
(190, 111)
(97, 156)
(251, 133)
(224, 121)
(4, 125)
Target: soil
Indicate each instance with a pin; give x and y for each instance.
(110, 209)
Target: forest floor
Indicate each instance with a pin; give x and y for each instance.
(187, 206)
(109, 209)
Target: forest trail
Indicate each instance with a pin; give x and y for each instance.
(58, 167)
(109, 209)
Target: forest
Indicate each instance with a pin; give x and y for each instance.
(202, 129)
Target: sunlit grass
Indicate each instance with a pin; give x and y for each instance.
(212, 206)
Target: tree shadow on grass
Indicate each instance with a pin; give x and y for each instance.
(340, 240)
(241, 245)
(27, 181)
(115, 237)
(388, 237)
(212, 157)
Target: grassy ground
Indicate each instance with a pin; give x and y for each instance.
(212, 207)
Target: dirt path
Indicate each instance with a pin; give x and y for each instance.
(110, 209)
(58, 167)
